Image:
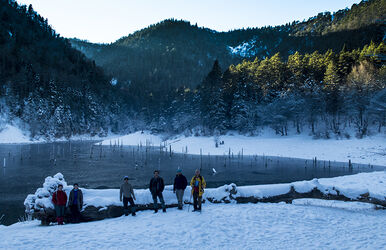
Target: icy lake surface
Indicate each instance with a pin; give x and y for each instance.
(24, 167)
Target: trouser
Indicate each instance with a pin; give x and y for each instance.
(161, 199)
(75, 213)
(197, 201)
(180, 196)
(60, 211)
(126, 200)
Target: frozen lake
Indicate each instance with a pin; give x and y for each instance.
(24, 167)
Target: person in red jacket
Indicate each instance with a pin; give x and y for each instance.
(59, 198)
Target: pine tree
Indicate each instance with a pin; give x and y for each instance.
(213, 107)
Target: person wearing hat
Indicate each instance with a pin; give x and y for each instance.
(156, 188)
(127, 193)
(59, 198)
(75, 203)
(180, 183)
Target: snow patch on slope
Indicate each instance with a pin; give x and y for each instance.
(12, 134)
(248, 49)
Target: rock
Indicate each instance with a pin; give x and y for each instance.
(89, 213)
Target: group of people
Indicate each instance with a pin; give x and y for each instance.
(156, 187)
(126, 195)
(75, 203)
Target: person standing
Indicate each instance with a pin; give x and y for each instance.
(198, 185)
(75, 202)
(127, 193)
(180, 183)
(156, 188)
(59, 198)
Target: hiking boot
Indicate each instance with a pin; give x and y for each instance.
(156, 211)
(133, 214)
(164, 210)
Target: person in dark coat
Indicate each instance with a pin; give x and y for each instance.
(180, 183)
(59, 198)
(75, 203)
(156, 188)
(127, 193)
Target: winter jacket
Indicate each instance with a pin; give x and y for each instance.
(59, 198)
(201, 184)
(126, 191)
(180, 182)
(79, 199)
(156, 185)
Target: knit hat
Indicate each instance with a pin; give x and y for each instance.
(126, 177)
(179, 171)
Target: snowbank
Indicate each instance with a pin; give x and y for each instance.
(139, 138)
(355, 187)
(369, 150)
(231, 226)
(12, 134)
(348, 205)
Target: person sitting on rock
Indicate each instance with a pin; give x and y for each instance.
(75, 203)
(127, 193)
(59, 198)
(198, 185)
(156, 188)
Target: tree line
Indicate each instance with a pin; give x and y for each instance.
(326, 94)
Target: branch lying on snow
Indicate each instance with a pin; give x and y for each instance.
(100, 204)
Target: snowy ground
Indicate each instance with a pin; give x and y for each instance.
(370, 150)
(351, 186)
(219, 226)
(12, 134)
(305, 224)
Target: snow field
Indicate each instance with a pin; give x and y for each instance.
(219, 226)
(369, 150)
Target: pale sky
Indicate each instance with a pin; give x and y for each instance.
(105, 21)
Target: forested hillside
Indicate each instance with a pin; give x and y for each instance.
(150, 63)
(325, 75)
(51, 87)
(326, 94)
(358, 16)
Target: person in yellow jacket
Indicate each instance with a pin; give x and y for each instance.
(198, 185)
